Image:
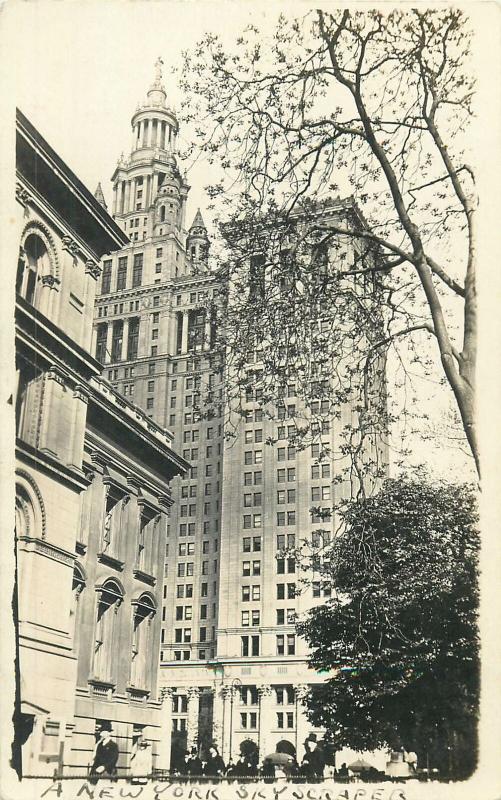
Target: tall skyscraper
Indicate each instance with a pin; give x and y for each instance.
(229, 656)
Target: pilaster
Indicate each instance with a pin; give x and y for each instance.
(192, 719)
(265, 721)
(164, 745)
(184, 339)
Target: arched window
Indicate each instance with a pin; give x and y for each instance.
(32, 265)
(143, 612)
(110, 598)
(25, 515)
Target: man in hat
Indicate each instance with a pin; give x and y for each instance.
(194, 764)
(105, 760)
(313, 763)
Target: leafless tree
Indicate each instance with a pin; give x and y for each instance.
(375, 106)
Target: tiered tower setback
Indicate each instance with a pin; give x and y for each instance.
(229, 655)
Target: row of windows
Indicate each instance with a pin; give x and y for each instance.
(285, 591)
(183, 635)
(191, 454)
(189, 529)
(284, 565)
(186, 590)
(285, 645)
(194, 435)
(186, 568)
(118, 308)
(284, 720)
(284, 616)
(186, 612)
(285, 517)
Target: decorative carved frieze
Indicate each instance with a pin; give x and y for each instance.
(50, 280)
(23, 195)
(71, 246)
(81, 393)
(45, 548)
(93, 268)
(55, 374)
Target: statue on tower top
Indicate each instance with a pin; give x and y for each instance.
(158, 69)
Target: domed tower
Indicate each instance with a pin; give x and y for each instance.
(197, 243)
(151, 170)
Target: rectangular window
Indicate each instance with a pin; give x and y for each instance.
(106, 278)
(280, 644)
(137, 270)
(245, 619)
(256, 592)
(280, 616)
(291, 591)
(122, 273)
(291, 644)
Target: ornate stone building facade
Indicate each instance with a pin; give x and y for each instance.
(230, 658)
(92, 494)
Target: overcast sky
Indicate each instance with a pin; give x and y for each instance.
(79, 68)
(83, 67)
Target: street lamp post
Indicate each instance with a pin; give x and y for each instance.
(235, 684)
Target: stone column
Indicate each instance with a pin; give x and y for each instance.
(77, 430)
(147, 200)
(126, 197)
(115, 195)
(164, 744)
(206, 343)
(125, 338)
(265, 721)
(184, 340)
(218, 710)
(302, 724)
(109, 338)
(192, 719)
(155, 187)
(226, 738)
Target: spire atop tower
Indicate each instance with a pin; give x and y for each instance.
(98, 194)
(198, 222)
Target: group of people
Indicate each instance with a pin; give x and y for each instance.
(276, 765)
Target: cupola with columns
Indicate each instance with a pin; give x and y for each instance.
(149, 193)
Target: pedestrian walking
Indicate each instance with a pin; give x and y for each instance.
(105, 760)
(214, 765)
